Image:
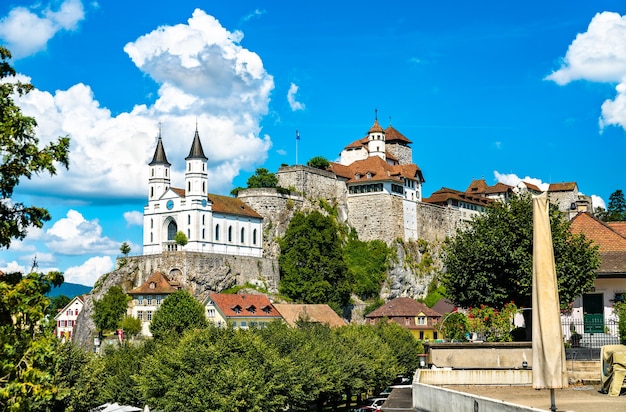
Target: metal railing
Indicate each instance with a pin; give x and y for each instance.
(591, 332)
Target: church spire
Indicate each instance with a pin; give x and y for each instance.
(196, 151)
(159, 157)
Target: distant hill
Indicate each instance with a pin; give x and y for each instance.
(70, 290)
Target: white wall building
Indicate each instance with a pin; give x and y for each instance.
(212, 223)
(66, 318)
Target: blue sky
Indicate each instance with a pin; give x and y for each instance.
(511, 90)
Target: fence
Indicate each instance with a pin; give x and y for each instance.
(591, 332)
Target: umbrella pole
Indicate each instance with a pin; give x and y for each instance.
(552, 403)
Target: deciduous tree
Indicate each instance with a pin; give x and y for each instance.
(109, 311)
(178, 312)
(262, 178)
(490, 262)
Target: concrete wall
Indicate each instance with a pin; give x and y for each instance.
(484, 355)
(475, 376)
(427, 398)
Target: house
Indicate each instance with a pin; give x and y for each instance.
(240, 311)
(469, 204)
(317, 313)
(147, 298)
(594, 309)
(569, 201)
(211, 223)
(418, 318)
(66, 318)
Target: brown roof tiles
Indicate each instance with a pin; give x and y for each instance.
(157, 284)
(247, 305)
(404, 307)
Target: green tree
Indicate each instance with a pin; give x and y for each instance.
(455, 327)
(57, 303)
(490, 263)
(131, 326)
(178, 312)
(262, 178)
(311, 262)
(125, 248)
(27, 343)
(318, 162)
(180, 238)
(109, 311)
(367, 263)
(21, 157)
(616, 211)
(404, 347)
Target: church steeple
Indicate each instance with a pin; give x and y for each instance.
(159, 180)
(196, 177)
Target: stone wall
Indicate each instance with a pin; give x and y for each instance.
(376, 216)
(310, 182)
(435, 223)
(404, 154)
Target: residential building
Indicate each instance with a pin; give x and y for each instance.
(468, 204)
(594, 309)
(211, 223)
(66, 318)
(418, 318)
(293, 313)
(148, 297)
(240, 311)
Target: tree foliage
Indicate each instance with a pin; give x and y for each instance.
(178, 312)
(181, 238)
(21, 157)
(616, 211)
(367, 263)
(319, 162)
(125, 248)
(27, 343)
(109, 311)
(262, 178)
(490, 262)
(311, 262)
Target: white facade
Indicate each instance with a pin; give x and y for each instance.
(212, 223)
(66, 319)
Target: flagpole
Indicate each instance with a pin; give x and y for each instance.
(297, 140)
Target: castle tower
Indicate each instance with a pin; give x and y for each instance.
(159, 180)
(376, 140)
(196, 177)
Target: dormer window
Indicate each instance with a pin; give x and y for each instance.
(251, 309)
(237, 309)
(357, 176)
(266, 309)
(369, 175)
(152, 285)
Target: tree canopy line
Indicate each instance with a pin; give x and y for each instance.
(193, 366)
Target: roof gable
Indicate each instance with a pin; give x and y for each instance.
(603, 235)
(244, 305)
(155, 284)
(403, 307)
(318, 313)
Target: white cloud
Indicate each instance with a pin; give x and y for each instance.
(512, 180)
(598, 54)
(133, 218)
(254, 14)
(26, 32)
(206, 78)
(12, 267)
(74, 235)
(291, 97)
(87, 273)
(597, 201)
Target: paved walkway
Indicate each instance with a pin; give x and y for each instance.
(577, 398)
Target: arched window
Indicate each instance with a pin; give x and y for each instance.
(203, 187)
(189, 187)
(152, 170)
(230, 233)
(151, 192)
(217, 232)
(172, 228)
(165, 172)
(202, 219)
(151, 237)
(254, 237)
(203, 230)
(188, 219)
(243, 235)
(151, 223)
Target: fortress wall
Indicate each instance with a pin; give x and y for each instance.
(206, 272)
(269, 203)
(404, 154)
(376, 216)
(435, 223)
(309, 181)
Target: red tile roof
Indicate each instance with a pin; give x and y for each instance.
(603, 235)
(402, 307)
(562, 187)
(245, 305)
(318, 313)
(619, 227)
(441, 197)
(532, 187)
(498, 188)
(225, 204)
(392, 135)
(376, 127)
(156, 284)
(378, 169)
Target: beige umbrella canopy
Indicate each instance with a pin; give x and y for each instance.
(549, 368)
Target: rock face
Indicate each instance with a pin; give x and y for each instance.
(200, 273)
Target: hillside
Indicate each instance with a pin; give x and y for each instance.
(70, 290)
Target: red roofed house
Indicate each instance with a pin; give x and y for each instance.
(410, 314)
(292, 313)
(66, 318)
(596, 306)
(147, 298)
(240, 311)
(212, 223)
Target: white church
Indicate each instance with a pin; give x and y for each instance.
(212, 223)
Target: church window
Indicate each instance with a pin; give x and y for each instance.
(217, 232)
(172, 228)
(165, 172)
(151, 237)
(151, 192)
(243, 237)
(188, 219)
(203, 187)
(151, 223)
(230, 233)
(152, 171)
(254, 237)
(189, 186)
(188, 233)
(189, 166)
(203, 219)
(203, 230)
(203, 167)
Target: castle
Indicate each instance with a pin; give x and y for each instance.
(211, 223)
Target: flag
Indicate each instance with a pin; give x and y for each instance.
(297, 135)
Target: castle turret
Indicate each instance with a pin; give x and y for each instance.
(376, 141)
(159, 180)
(196, 177)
